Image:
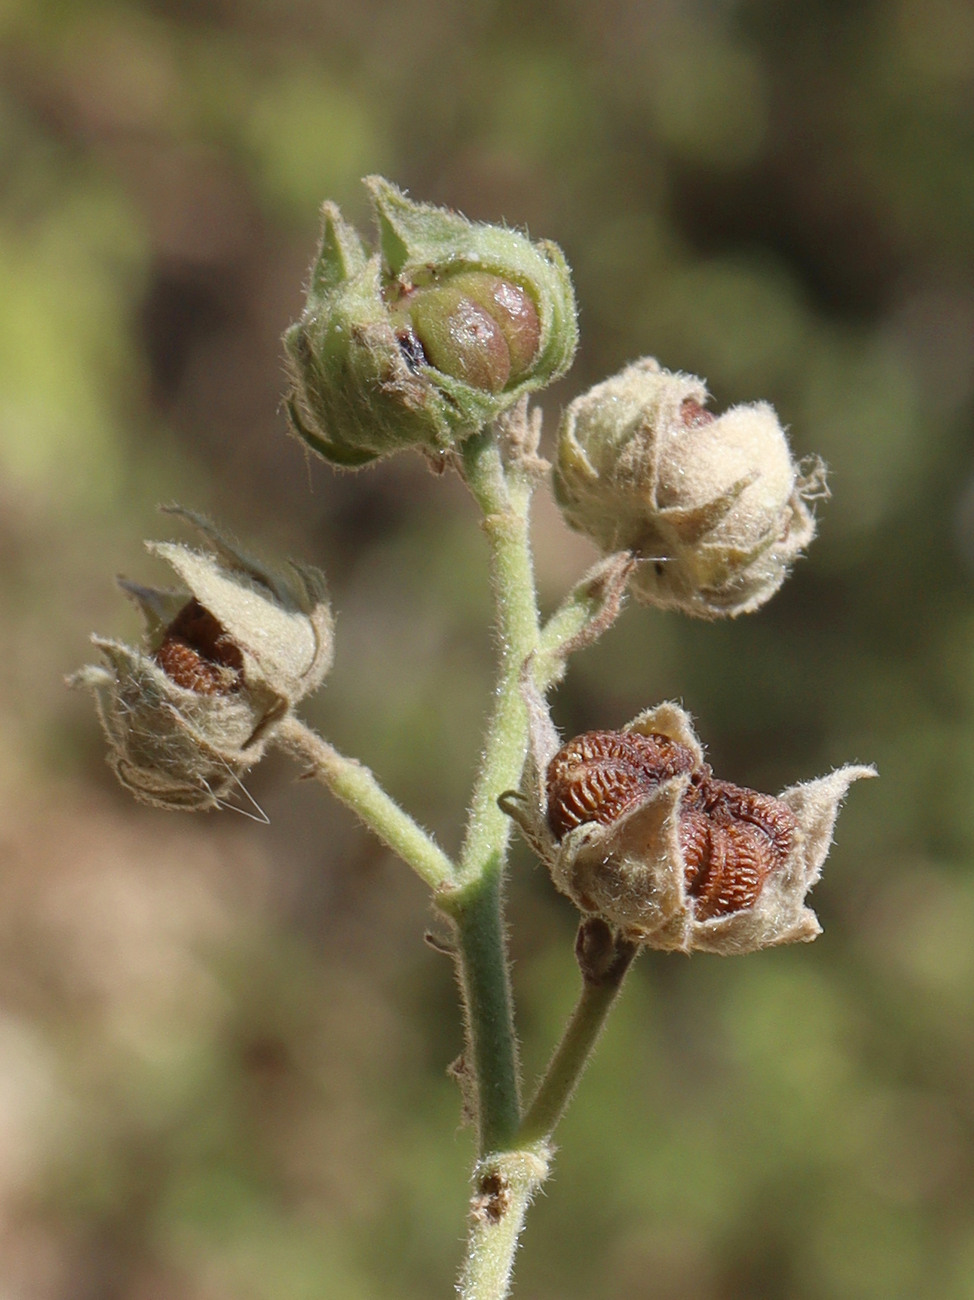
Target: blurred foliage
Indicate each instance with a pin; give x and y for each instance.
(222, 1047)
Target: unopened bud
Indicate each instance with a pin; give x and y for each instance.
(427, 339)
(714, 507)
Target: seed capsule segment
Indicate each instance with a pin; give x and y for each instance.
(732, 840)
(197, 653)
(600, 775)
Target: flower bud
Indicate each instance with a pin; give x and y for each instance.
(226, 657)
(714, 507)
(635, 828)
(427, 339)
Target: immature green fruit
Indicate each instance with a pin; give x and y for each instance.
(476, 327)
(715, 508)
(427, 339)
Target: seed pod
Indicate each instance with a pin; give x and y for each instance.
(224, 661)
(423, 342)
(634, 828)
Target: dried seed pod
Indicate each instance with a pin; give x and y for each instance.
(223, 661)
(635, 829)
(715, 508)
(731, 838)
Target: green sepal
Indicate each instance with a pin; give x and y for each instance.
(341, 253)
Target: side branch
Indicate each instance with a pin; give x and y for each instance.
(355, 785)
(604, 958)
(589, 609)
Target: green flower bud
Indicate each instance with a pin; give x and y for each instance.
(427, 339)
(715, 508)
(225, 658)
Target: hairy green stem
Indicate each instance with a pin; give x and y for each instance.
(353, 783)
(505, 1179)
(506, 526)
(490, 1055)
(514, 1154)
(604, 959)
(503, 1189)
(475, 904)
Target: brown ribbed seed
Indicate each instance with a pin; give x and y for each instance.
(732, 839)
(600, 775)
(196, 653)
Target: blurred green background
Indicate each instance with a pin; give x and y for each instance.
(222, 1045)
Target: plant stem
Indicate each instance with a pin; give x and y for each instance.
(505, 508)
(604, 959)
(589, 609)
(505, 1185)
(355, 785)
(482, 970)
(505, 1179)
(475, 903)
(513, 1153)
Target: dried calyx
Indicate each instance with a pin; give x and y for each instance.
(714, 507)
(635, 828)
(224, 660)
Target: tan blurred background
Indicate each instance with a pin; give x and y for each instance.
(223, 1045)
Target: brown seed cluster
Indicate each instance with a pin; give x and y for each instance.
(198, 654)
(731, 838)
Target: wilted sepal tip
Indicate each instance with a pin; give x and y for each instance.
(224, 660)
(427, 339)
(715, 507)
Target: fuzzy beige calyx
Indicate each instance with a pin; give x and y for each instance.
(714, 507)
(224, 660)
